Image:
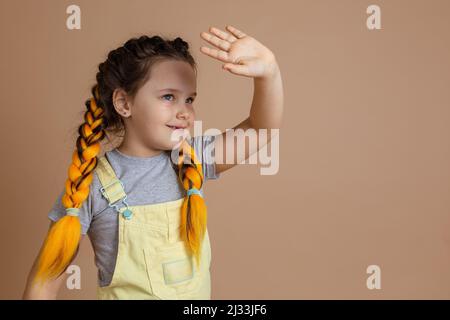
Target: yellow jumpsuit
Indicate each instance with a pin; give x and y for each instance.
(152, 261)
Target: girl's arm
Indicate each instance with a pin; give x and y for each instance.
(244, 55)
(49, 290)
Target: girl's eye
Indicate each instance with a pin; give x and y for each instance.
(168, 95)
(171, 95)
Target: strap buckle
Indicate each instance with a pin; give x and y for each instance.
(127, 212)
(102, 189)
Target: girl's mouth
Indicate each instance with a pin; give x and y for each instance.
(176, 128)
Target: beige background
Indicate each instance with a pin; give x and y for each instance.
(364, 176)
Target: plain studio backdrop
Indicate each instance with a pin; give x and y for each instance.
(364, 175)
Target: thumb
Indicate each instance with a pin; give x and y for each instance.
(236, 68)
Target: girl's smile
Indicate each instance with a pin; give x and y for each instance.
(177, 127)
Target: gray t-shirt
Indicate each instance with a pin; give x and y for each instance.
(146, 181)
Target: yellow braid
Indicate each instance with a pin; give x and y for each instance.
(193, 210)
(63, 238)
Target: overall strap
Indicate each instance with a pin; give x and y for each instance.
(112, 188)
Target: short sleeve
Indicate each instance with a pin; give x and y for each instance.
(205, 151)
(85, 215)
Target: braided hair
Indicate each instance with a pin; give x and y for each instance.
(127, 67)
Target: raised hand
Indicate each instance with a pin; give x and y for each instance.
(242, 54)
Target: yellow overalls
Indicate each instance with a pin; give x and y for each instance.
(152, 261)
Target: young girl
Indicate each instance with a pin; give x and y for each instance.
(145, 213)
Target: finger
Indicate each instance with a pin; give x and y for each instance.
(219, 43)
(218, 54)
(223, 35)
(240, 69)
(238, 33)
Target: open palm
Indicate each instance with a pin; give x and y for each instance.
(242, 54)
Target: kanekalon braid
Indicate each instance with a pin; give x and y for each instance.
(193, 210)
(63, 237)
(84, 158)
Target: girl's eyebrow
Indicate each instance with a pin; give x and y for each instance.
(176, 90)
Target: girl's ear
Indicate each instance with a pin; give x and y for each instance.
(121, 102)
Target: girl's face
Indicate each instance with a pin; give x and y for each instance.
(162, 110)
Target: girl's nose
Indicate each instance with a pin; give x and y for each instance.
(183, 113)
